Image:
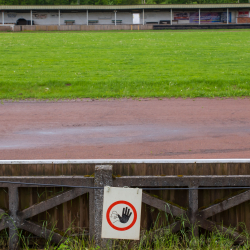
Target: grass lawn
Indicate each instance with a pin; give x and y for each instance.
(124, 64)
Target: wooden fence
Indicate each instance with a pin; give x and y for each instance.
(74, 208)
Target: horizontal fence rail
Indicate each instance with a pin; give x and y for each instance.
(71, 192)
(126, 161)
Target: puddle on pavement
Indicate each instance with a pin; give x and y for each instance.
(100, 135)
(121, 134)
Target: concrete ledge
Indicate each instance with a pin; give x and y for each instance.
(85, 27)
(202, 26)
(81, 27)
(5, 28)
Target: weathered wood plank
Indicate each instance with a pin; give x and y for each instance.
(3, 224)
(3, 191)
(41, 231)
(162, 205)
(51, 180)
(224, 205)
(91, 214)
(182, 181)
(1, 212)
(50, 203)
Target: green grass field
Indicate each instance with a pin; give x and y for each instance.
(124, 64)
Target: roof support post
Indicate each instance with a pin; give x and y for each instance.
(199, 16)
(143, 17)
(227, 16)
(59, 17)
(171, 17)
(2, 17)
(31, 17)
(87, 13)
(115, 16)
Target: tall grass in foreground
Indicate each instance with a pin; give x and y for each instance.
(156, 238)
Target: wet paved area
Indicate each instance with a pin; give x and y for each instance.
(125, 128)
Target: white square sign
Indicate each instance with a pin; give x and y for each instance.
(121, 213)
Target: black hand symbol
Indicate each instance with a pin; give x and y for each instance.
(125, 215)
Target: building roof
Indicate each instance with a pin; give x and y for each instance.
(125, 7)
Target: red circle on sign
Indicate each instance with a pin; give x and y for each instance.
(121, 228)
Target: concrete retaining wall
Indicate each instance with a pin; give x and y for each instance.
(81, 27)
(5, 28)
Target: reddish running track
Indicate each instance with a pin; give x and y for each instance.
(125, 128)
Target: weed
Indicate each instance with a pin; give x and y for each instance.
(156, 238)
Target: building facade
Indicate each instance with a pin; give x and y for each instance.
(125, 14)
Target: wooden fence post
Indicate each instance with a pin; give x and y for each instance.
(103, 177)
(91, 215)
(193, 211)
(13, 219)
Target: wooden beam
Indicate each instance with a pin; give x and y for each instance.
(3, 224)
(42, 231)
(52, 202)
(2, 220)
(162, 205)
(224, 205)
(1, 212)
(177, 181)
